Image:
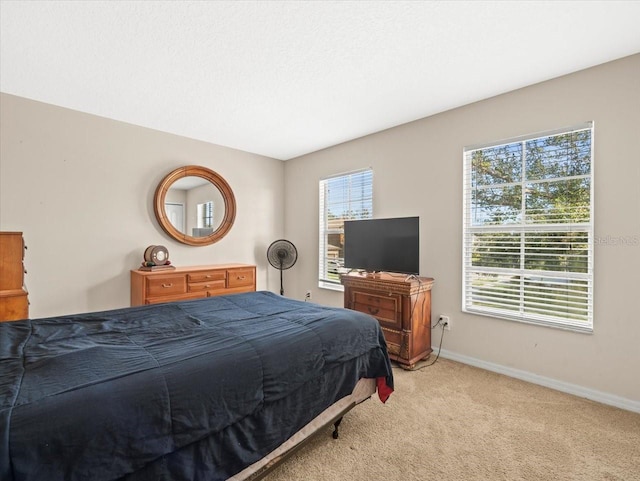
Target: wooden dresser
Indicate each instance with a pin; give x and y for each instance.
(402, 306)
(14, 301)
(184, 283)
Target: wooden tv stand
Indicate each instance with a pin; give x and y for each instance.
(402, 306)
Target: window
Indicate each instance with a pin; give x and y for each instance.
(205, 214)
(528, 229)
(343, 197)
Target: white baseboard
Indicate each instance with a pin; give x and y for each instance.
(592, 394)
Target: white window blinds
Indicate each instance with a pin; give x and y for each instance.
(528, 229)
(342, 197)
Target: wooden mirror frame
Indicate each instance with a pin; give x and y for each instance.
(218, 182)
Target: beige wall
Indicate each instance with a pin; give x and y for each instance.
(418, 171)
(81, 189)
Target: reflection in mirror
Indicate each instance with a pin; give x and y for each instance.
(175, 214)
(194, 205)
(205, 219)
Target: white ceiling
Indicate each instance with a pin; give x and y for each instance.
(285, 78)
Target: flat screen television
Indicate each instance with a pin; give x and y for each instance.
(383, 245)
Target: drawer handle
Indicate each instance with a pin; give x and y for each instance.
(167, 285)
(207, 286)
(373, 311)
(207, 276)
(241, 278)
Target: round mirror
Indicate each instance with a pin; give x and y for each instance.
(194, 205)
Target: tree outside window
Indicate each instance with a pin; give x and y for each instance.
(528, 230)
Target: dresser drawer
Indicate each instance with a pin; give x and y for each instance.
(14, 305)
(11, 256)
(207, 286)
(166, 285)
(386, 308)
(177, 297)
(240, 278)
(207, 276)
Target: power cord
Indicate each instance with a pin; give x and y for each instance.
(437, 355)
(431, 363)
(413, 307)
(403, 339)
(432, 327)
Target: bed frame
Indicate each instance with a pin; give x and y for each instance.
(331, 416)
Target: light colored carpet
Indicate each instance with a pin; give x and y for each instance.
(451, 421)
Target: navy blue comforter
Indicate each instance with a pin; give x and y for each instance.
(180, 391)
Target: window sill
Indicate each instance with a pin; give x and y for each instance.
(331, 286)
(587, 329)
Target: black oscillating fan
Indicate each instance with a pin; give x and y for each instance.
(282, 254)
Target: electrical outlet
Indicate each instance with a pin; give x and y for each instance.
(445, 322)
(307, 296)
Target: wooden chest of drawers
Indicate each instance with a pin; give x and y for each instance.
(14, 302)
(185, 283)
(402, 306)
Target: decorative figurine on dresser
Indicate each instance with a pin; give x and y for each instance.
(14, 302)
(156, 258)
(402, 306)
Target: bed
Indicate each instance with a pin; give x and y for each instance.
(217, 388)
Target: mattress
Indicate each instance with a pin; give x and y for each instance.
(186, 390)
